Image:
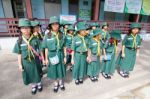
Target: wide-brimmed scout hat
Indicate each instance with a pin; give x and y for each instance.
(96, 32)
(116, 34)
(70, 27)
(35, 23)
(94, 24)
(53, 19)
(80, 26)
(135, 25)
(24, 22)
(105, 24)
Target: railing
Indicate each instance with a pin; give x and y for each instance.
(8, 26)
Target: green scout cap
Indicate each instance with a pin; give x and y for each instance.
(53, 19)
(105, 24)
(70, 27)
(94, 24)
(24, 22)
(116, 34)
(35, 23)
(81, 26)
(135, 25)
(97, 32)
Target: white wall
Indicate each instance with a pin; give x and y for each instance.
(52, 9)
(7, 8)
(7, 43)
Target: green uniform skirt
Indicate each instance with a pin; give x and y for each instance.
(127, 63)
(31, 73)
(80, 66)
(57, 71)
(94, 68)
(108, 66)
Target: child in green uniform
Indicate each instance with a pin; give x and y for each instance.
(110, 50)
(105, 34)
(79, 54)
(130, 49)
(68, 43)
(64, 27)
(94, 55)
(26, 56)
(37, 33)
(54, 53)
(92, 27)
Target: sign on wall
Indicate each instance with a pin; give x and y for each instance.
(85, 9)
(145, 7)
(114, 5)
(133, 6)
(71, 19)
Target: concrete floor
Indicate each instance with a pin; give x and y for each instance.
(11, 85)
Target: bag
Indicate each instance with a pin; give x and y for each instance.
(93, 58)
(54, 60)
(108, 57)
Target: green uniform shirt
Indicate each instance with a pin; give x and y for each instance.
(105, 36)
(51, 43)
(68, 40)
(22, 48)
(93, 46)
(78, 45)
(129, 41)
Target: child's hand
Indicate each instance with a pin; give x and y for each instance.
(20, 68)
(65, 60)
(46, 62)
(72, 62)
(123, 55)
(88, 59)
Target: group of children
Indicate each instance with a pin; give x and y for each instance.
(87, 49)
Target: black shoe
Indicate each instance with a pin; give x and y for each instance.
(55, 89)
(81, 81)
(92, 79)
(105, 76)
(109, 77)
(71, 69)
(34, 90)
(95, 79)
(77, 82)
(62, 87)
(123, 74)
(40, 88)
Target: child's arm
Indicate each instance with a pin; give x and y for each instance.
(65, 55)
(20, 62)
(123, 53)
(46, 57)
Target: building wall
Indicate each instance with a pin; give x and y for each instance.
(1, 10)
(52, 9)
(7, 8)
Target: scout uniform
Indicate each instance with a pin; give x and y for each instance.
(131, 43)
(110, 50)
(68, 43)
(95, 49)
(55, 44)
(79, 46)
(31, 73)
(105, 34)
(40, 38)
(34, 24)
(63, 30)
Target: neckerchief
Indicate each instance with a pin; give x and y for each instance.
(82, 37)
(98, 47)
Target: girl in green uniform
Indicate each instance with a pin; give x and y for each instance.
(54, 53)
(26, 56)
(37, 33)
(68, 43)
(105, 34)
(110, 50)
(94, 55)
(130, 49)
(79, 54)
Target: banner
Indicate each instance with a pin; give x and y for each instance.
(133, 6)
(114, 5)
(71, 19)
(145, 7)
(85, 9)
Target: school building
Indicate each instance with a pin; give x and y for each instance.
(11, 10)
